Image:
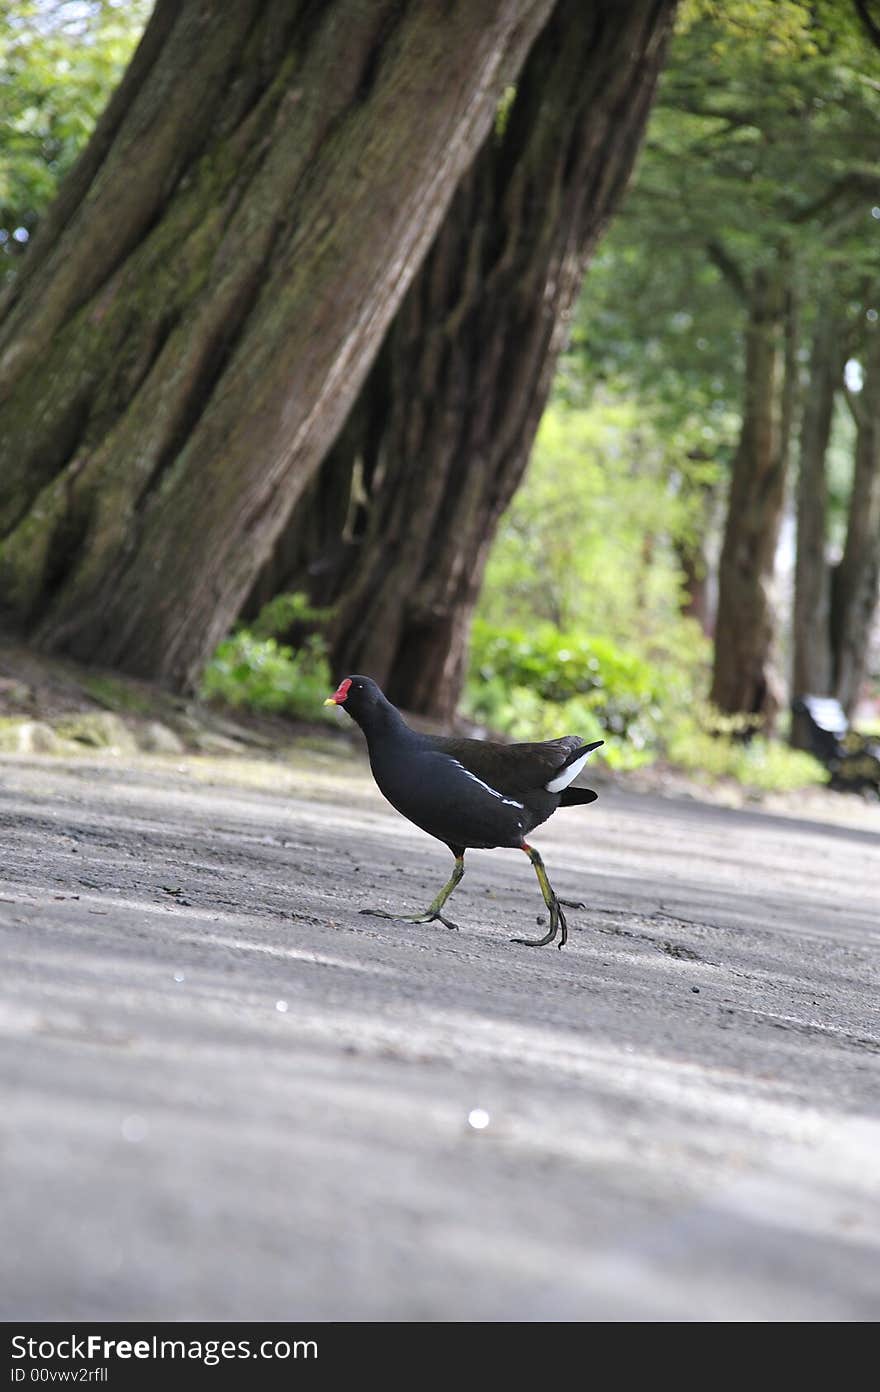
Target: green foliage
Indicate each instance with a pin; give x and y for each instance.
(763, 133)
(579, 627)
(59, 62)
(758, 763)
(589, 542)
(503, 109)
(541, 684)
(544, 683)
(760, 153)
(253, 670)
(761, 146)
(284, 612)
(264, 675)
(617, 692)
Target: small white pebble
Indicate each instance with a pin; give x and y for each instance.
(281, 1006)
(134, 1128)
(179, 976)
(478, 1119)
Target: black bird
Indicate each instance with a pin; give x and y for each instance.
(468, 793)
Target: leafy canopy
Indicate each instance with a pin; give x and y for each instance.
(59, 62)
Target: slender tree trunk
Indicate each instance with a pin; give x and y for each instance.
(183, 343)
(811, 637)
(448, 416)
(700, 498)
(743, 679)
(856, 578)
(695, 585)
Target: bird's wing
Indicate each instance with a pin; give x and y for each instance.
(515, 770)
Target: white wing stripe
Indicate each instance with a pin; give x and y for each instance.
(568, 775)
(473, 777)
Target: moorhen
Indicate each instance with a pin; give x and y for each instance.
(466, 792)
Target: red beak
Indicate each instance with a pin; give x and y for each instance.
(339, 695)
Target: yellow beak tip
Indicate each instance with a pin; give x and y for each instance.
(331, 701)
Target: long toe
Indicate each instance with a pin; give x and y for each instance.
(563, 926)
(539, 942)
(536, 942)
(396, 917)
(411, 918)
(572, 903)
(557, 924)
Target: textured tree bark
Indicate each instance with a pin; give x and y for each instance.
(448, 416)
(743, 680)
(811, 635)
(185, 339)
(857, 577)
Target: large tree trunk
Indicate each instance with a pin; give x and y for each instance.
(743, 680)
(856, 578)
(811, 635)
(447, 418)
(199, 311)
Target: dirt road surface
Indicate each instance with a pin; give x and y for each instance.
(227, 1095)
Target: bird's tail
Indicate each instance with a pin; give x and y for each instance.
(573, 797)
(584, 749)
(569, 770)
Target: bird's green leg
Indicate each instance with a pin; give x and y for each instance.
(557, 917)
(433, 910)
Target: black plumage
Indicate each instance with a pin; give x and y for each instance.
(468, 793)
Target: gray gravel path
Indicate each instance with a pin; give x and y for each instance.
(227, 1095)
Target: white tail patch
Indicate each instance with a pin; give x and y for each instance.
(568, 775)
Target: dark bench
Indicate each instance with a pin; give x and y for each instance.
(852, 760)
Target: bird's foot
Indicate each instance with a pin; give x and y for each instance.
(557, 924)
(413, 918)
(447, 922)
(572, 903)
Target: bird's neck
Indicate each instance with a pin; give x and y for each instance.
(382, 720)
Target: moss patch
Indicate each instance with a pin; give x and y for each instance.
(98, 730)
(118, 695)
